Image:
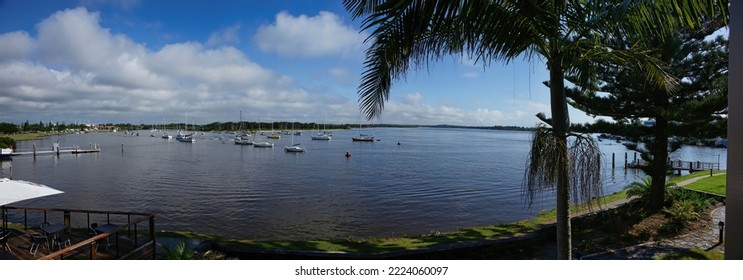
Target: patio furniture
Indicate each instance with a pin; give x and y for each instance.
(36, 241)
(61, 240)
(4, 236)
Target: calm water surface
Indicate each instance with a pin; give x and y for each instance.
(436, 179)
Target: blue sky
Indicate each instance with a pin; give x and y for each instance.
(137, 61)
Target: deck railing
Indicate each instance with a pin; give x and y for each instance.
(143, 245)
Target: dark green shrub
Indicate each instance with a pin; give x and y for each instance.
(6, 142)
(680, 214)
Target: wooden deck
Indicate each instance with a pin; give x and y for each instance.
(128, 238)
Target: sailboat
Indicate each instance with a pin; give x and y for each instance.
(183, 137)
(263, 144)
(322, 135)
(273, 135)
(294, 148)
(363, 137)
(242, 139)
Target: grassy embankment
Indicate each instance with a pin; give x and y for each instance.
(386, 244)
(30, 136)
(709, 184)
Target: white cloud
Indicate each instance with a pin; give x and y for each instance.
(124, 4)
(80, 66)
(75, 68)
(470, 75)
(341, 75)
(303, 36)
(15, 45)
(225, 36)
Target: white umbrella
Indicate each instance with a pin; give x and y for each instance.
(16, 190)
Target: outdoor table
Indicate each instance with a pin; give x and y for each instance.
(52, 229)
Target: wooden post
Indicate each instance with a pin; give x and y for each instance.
(34, 146)
(152, 236)
(67, 222)
(122, 148)
(635, 158)
(625, 160)
(93, 250)
(612, 161)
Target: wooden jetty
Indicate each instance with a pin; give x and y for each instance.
(691, 166)
(56, 149)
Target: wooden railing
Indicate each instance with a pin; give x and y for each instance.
(146, 248)
(680, 165)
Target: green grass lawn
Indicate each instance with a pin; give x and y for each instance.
(695, 254)
(714, 184)
(693, 175)
(29, 136)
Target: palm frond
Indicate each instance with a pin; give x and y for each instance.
(546, 156)
(585, 170)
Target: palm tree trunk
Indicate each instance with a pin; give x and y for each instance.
(560, 126)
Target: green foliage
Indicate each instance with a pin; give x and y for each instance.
(8, 128)
(694, 254)
(6, 142)
(698, 200)
(641, 189)
(680, 214)
(179, 252)
(715, 185)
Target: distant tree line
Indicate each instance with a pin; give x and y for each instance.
(25, 127)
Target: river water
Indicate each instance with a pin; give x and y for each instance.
(435, 179)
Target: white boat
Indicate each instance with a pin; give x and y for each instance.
(6, 152)
(322, 136)
(273, 134)
(243, 140)
(186, 138)
(363, 138)
(166, 136)
(294, 148)
(263, 144)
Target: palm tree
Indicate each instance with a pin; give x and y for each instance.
(568, 35)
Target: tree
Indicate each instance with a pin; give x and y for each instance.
(568, 35)
(693, 109)
(8, 128)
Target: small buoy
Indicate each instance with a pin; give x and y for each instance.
(348, 154)
(398, 143)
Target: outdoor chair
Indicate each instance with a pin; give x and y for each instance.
(4, 236)
(61, 240)
(36, 242)
(91, 229)
(93, 232)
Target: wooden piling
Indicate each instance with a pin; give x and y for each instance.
(625, 160)
(34, 146)
(612, 161)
